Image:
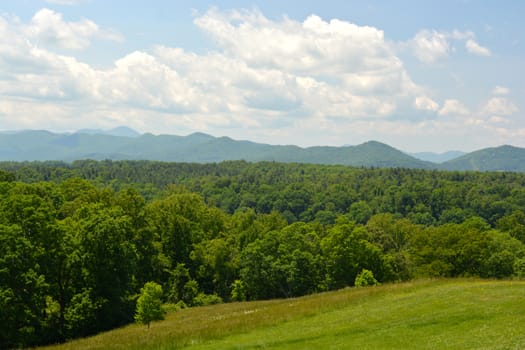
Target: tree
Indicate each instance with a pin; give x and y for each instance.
(360, 212)
(149, 304)
(346, 252)
(108, 261)
(283, 263)
(22, 290)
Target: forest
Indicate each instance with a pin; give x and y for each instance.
(79, 240)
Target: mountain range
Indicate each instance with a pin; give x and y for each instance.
(124, 143)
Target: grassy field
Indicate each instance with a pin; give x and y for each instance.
(439, 314)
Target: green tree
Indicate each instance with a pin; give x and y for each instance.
(365, 278)
(360, 212)
(108, 262)
(149, 304)
(283, 263)
(216, 264)
(22, 290)
(346, 252)
(514, 224)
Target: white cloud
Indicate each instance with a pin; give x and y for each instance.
(460, 35)
(476, 49)
(426, 104)
(501, 90)
(499, 106)
(453, 107)
(48, 27)
(433, 46)
(430, 46)
(359, 56)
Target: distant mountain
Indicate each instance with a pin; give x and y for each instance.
(503, 158)
(437, 157)
(203, 148)
(197, 147)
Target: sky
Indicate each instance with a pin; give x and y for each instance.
(417, 75)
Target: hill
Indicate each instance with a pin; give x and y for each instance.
(444, 314)
(126, 144)
(503, 158)
(198, 147)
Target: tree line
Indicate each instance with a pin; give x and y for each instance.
(78, 241)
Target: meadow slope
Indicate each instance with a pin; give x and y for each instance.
(429, 314)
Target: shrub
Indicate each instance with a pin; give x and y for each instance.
(365, 278)
(206, 299)
(519, 268)
(238, 291)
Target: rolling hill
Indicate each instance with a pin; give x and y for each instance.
(198, 147)
(126, 144)
(503, 158)
(438, 314)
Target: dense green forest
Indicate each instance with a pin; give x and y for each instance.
(78, 241)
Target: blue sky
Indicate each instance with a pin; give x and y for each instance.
(418, 75)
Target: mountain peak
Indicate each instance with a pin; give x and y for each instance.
(201, 135)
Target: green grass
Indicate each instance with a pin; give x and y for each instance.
(439, 314)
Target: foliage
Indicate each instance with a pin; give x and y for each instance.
(206, 299)
(76, 249)
(149, 304)
(238, 291)
(365, 278)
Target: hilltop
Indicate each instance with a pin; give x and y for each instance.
(503, 158)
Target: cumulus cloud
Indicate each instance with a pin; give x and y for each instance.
(357, 56)
(476, 49)
(500, 106)
(433, 46)
(430, 46)
(314, 45)
(49, 27)
(426, 104)
(453, 107)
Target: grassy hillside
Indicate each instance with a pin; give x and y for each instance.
(444, 314)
